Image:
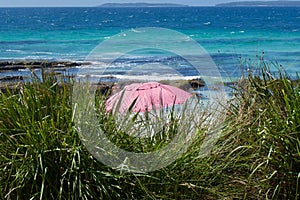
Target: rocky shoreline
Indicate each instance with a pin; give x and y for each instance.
(18, 65)
(11, 81)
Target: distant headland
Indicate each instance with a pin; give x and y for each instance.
(118, 5)
(261, 4)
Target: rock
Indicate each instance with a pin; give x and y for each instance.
(185, 84)
(105, 89)
(17, 65)
(196, 83)
(11, 78)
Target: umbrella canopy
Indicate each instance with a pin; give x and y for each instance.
(145, 96)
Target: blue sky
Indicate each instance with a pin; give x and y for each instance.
(13, 3)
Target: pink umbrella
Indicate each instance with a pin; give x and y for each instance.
(145, 96)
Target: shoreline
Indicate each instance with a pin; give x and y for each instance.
(57, 67)
(36, 64)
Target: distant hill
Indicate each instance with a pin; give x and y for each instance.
(115, 5)
(260, 3)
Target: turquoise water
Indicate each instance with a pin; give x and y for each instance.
(234, 37)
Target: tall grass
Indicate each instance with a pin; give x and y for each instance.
(256, 157)
(261, 141)
(41, 154)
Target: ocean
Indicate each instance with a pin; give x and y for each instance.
(236, 38)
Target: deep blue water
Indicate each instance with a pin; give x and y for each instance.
(234, 37)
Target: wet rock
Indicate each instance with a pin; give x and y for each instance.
(193, 84)
(196, 83)
(17, 65)
(11, 78)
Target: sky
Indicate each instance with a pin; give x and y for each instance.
(31, 3)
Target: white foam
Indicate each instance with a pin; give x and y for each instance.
(142, 78)
(13, 50)
(136, 31)
(43, 52)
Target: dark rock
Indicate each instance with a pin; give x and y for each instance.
(11, 78)
(185, 84)
(17, 65)
(196, 83)
(102, 88)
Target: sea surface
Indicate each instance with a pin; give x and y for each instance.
(237, 39)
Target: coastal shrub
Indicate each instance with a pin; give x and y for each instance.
(261, 144)
(258, 153)
(41, 155)
(256, 157)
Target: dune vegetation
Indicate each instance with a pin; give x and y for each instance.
(257, 155)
